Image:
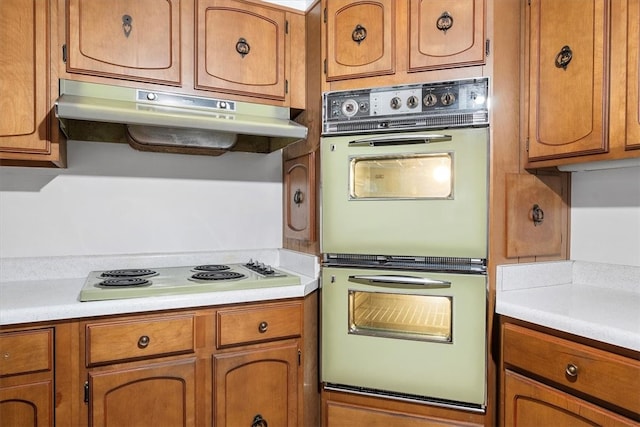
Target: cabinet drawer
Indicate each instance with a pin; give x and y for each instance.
(254, 324)
(139, 338)
(606, 376)
(24, 352)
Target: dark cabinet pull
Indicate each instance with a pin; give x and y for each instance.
(564, 57)
(444, 22)
(262, 327)
(359, 34)
(143, 341)
(258, 421)
(537, 215)
(242, 47)
(298, 197)
(127, 25)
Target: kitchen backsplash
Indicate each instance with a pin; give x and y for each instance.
(116, 200)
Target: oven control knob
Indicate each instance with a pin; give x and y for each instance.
(349, 108)
(395, 103)
(364, 106)
(430, 100)
(412, 101)
(448, 98)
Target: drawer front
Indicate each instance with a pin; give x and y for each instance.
(254, 324)
(139, 338)
(24, 352)
(603, 375)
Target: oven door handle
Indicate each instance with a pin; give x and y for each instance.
(383, 141)
(400, 281)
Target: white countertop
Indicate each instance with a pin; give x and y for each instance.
(38, 298)
(595, 301)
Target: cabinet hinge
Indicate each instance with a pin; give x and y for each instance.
(286, 86)
(487, 47)
(86, 392)
(526, 145)
(64, 53)
(299, 357)
(286, 27)
(325, 66)
(325, 15)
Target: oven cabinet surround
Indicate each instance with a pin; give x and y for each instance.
(247, 50)
(582, 87)
(552, 379)
(387, 37)
(28, 82)
(26, 377)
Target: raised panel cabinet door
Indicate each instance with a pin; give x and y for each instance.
(528, 403)
(161, 394)
(360, 38)
(568, 65)
(446, 33)
(257, 385)
(28, 405)
(24, 84)
(125, 39)
(240, 48)
(633, 75)
(300, 197)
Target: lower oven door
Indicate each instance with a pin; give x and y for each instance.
(410, 335)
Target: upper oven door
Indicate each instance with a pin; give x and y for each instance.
(416, 194)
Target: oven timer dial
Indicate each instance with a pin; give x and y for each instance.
(395, 103)
(349, 108)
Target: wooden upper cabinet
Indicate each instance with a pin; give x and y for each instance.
(26, 131)
(446, 33)
(241, 48)
(360, 38)
(632, 137)
(568, 66)
(125, 39)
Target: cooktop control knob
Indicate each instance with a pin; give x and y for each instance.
(396, 102)
(448, 98)
(430, 100)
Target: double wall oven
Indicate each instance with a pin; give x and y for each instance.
(404, 188)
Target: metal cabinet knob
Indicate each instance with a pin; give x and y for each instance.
(258, 421)
(572, 370)
(143, 341)
(262, 327)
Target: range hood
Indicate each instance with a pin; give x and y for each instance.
(163, 121)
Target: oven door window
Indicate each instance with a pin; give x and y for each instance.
(404, 316)
(419, 176)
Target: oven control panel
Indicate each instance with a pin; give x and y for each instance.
(443, 104)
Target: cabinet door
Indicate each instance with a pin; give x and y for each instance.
(568, 65)
(153, 395)
(24, 80)
(528, 403)
(257, 385)
(300, 196)
(27, 405)
(360, 38)
(241, 48)
(446, 33)
(633, 75)
(125, 39)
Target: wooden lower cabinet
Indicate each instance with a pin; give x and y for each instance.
(352, 410)
(529, 403)
(552, 378)
(153, 395)
(257, 387)
(26, 378)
